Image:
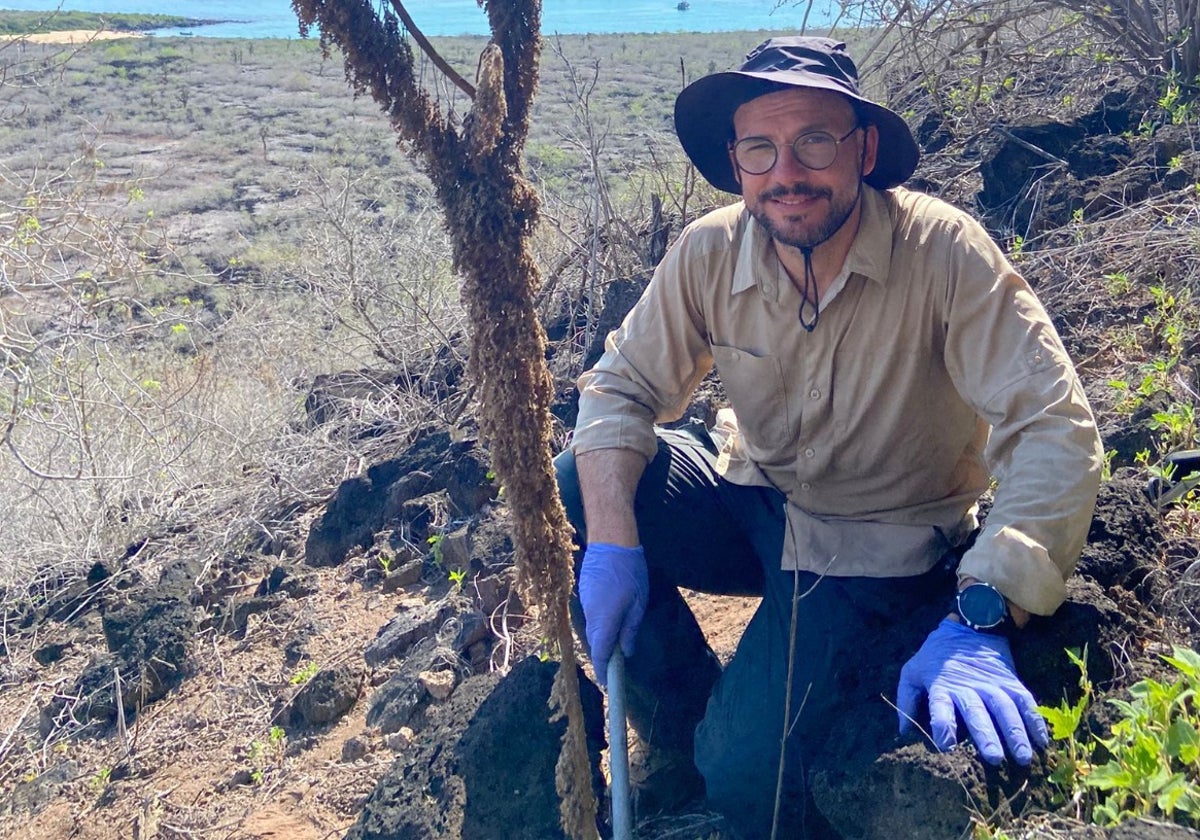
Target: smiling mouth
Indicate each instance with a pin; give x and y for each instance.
(795, 197)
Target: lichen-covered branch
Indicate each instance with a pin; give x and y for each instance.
(490, 212)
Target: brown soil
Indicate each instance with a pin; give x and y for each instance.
(189, 761)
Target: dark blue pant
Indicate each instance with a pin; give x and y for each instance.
(704, 533)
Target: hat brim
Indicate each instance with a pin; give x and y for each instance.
(704, 123)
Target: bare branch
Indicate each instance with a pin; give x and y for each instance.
(427, 48)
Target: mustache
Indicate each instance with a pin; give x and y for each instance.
(797, 190)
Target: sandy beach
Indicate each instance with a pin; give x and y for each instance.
(73, 36)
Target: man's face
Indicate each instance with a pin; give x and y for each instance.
(799, 206)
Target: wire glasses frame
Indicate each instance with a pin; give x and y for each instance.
(814, 149)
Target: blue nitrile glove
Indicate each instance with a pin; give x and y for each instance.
(614, 587)
(972, 673)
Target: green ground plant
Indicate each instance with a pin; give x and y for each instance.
(262, 756)
(1148, 764)
(435, 549)
(303, 675)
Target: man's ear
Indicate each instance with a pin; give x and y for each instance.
(870, 149)
(737, 173)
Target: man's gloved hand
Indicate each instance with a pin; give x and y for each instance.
(971, 672)
(614, 587)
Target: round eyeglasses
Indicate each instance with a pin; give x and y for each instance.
(814, 149)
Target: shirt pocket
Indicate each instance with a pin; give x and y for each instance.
(759, 397)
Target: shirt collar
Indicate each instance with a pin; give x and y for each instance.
(870, 255)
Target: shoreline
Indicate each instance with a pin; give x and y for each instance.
(73, 36)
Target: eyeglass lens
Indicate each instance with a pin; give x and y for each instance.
(814, 149)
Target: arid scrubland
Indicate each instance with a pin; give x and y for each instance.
(192, 231)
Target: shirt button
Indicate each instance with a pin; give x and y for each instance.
(815, 394)
(806, 486)
(769, 288)
(810, 452)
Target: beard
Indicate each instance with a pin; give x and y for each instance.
(796, 234)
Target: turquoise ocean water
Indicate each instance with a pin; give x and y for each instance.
(275, 19)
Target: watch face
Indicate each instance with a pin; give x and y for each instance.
(981, 606)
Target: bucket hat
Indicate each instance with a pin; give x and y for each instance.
(704, 109)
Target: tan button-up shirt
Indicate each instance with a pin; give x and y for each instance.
(876, 425)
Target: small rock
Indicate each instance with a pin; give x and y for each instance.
(398, 635)
(355, 748)
(439, 684)
(479, 656)
(406, 575)
(473, 627)
(326, 697)
(399, 740)
(241, 778)
(51, 653)
(396, 703)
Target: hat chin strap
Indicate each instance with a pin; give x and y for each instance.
(810, 299)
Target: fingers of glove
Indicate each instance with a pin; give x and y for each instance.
(612, 582)
(601, 643)
(1035, 724)
(633, 620)
(943, 722)
(1009, 720)
(603, 614)
(979, 725)
(908, 694)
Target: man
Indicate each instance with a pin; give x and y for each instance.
(868, 338)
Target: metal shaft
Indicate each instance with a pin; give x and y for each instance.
(618, 750)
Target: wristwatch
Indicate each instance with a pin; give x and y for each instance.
(982, 607)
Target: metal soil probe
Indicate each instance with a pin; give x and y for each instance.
(618, 750)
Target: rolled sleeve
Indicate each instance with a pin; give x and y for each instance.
(1047, 460)
(611, 416)
(1044, 450)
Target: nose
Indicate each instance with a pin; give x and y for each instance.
(788, 168)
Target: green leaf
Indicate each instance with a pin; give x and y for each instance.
(1105, 814)
(1109, 777)
(1063, 720)
(1189, 803)
(1183, 741)
(1186, 661)
(1064, 774)
(1143, 758)
(1171, 794)
(1161, 777)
